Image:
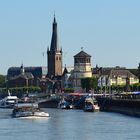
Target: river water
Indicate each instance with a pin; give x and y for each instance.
(70, 125)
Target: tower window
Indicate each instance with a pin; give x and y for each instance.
(88, 60)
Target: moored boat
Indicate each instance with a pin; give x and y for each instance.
(9, 101)
(91, 105)
(64, 105)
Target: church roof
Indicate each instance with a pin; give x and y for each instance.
(82, 54)
(36, 71)
(26, 75)
(65, 71)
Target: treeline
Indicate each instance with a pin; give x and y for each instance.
(31, 89)
(19, 91)
(92, 84)
(121, 88)
(2, 81)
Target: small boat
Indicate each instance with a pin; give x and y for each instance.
(64, 105)
(28, 110)
(9, 101)
(91, 105)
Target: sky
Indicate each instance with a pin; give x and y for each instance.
(108, 30)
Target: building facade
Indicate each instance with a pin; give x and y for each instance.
(25, 76)
(67, 78)
(116, 76)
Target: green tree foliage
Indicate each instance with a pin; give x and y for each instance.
(68, 90)
(89, 83)
(2, 81)
(19, 91)
(31, 89)
(135, 87)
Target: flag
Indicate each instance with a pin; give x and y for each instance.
(104, 81)
(99, 82)
(108, 82)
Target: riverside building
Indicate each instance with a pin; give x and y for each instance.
(116, 76)
(82, 69)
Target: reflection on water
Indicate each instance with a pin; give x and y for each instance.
(69, 125)
(5, 113)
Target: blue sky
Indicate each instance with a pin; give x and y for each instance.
(109, 30)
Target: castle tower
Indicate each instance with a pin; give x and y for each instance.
(54, 54)
(82, 68)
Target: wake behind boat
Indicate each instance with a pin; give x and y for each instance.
(28, 110)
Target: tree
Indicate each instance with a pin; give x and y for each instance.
(2, 81)
(89, 83)
(136, 87)
(68, 90)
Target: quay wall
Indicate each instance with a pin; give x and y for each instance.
(124, 106)
(52, 103)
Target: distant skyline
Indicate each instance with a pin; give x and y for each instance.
(108, 30)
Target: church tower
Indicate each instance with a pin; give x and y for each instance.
(54, 54)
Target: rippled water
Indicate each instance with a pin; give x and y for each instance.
(70, 125)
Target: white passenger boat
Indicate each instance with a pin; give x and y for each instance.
(28, 110)
(91, 105)
(9, 101)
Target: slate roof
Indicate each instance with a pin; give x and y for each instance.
(82, 54)
(65, 71)
(54, 41)
(26, 75)
(134, 71)
(36, 71)
(122, 73)
(113, 72)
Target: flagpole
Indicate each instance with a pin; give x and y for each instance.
(100, 84)
(109, 86)
(101, 89)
